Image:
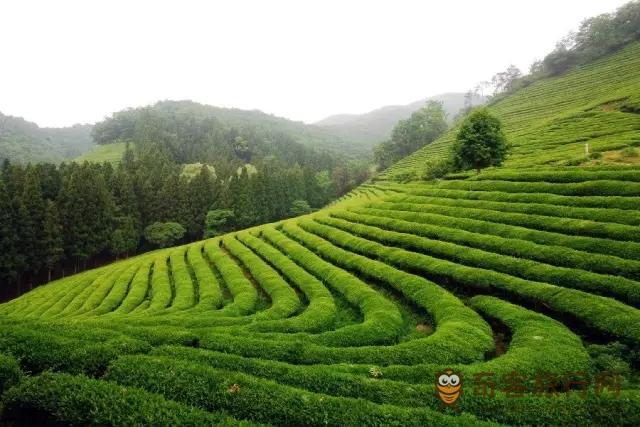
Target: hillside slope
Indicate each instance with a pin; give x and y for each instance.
(22, 141)
(550, 122)
(348, 315)
(371, 128)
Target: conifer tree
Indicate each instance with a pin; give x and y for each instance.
(52, 237)
(31, 230)
(9, 256)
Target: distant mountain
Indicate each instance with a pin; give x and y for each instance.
(22, 141)
(190, 132)
(189, 116)
(368, 129)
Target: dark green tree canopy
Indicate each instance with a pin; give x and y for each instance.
(217, 221)
(423, 127)
(480, 142)
(164, 234)
(300, 207)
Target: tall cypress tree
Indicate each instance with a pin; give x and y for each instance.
(9, 256)
(31, 232)
(87, 213)
(200, 199)
(52, 237)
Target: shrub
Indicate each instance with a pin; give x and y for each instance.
(163, 234)
(261, 400)
(480, 142)
(621, 288)
(453, 230)
(61, 399)
(10, 372)
(604, 314)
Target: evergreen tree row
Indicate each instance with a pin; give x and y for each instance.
(61, 219)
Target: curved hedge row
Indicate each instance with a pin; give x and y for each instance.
(604, 314)
(454, 219)
(588, 188)
(560, 224)
(184, 288)
(408, 222)
(559, 175)
(244, 294)
(382, 320)
(606, 215)
(61, 399)
(210, 294)
(611, 202)
(626, 290)
(620, 234)
(284, 301)
(261, 400)
(320, 312)
(161, 292)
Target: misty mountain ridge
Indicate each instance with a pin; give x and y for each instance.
(23, 141)
(369, 129)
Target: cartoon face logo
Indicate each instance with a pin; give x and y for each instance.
(449, 387)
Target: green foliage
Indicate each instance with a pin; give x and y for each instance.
(87, 209)
(596, 37)
(548, 122)
(216, 222)
(191, 170)
(111, 153)
(437, 168)
(125, 237)
(189, 132)
(77, 400)
(299, 207)
(366, 130)
(480, 142)
(57, 347)
(10, 260)
(10, 372)
(423, 127)
(343, 317)
(260, 400)
(52, 236)
(611, 358)
(164, 234)
(24, 142)
(503, 239)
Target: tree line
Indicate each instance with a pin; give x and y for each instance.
(421, 128)
(59, 219)
(596, 37)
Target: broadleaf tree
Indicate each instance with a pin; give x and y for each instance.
(480, 142)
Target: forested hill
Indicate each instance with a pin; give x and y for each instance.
(368, 129)
(191, 132)
(176, 166)
(23, 141)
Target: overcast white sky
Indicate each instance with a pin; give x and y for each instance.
(64, 62)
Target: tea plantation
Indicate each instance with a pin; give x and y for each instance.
(523, 279)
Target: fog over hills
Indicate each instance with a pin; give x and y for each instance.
(373, 127)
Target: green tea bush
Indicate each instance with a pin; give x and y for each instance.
(61, 399)
(623, 289)
(556, 255)
(262, 400)
(10, 372)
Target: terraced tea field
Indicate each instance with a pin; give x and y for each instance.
(345, 316)
(519, 280)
